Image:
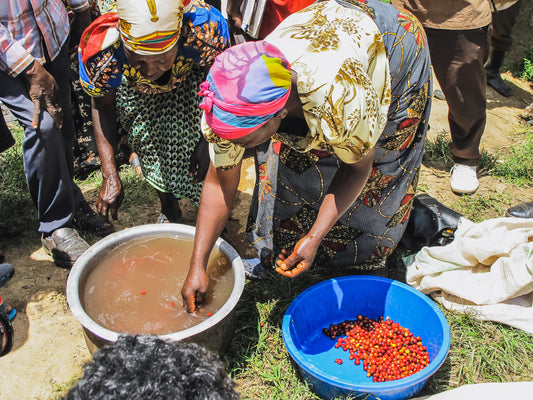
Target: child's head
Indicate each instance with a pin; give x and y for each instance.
(146, 367)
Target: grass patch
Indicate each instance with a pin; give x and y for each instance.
(482, 351)
(438, 151)
(506, 359)
(477, 207)
(17, 206)
(524, 68)
(517, 166)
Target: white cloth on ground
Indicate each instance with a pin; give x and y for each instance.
(487, 270)
(485, 391)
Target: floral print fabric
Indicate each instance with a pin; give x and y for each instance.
(343, 82)
(291, 182)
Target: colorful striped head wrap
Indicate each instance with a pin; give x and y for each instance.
(151, 26)
(145, 26)
(246, 86)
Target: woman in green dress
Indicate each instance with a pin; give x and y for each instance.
(142, 63)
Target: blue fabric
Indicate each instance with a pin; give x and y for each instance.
(6, 273)
(246, 121)
(198, 18)
(115, 80)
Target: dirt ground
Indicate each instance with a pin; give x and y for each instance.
(49, 349)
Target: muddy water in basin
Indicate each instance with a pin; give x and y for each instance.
(136, 287)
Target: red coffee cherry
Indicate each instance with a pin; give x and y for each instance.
(387, 350)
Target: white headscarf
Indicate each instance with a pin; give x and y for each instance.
(151, 26)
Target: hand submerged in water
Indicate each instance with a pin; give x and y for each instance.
(194, 289)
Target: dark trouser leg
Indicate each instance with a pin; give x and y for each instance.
(458, 58)
(46, 161)
(170, 207)
(500, 42)
(6, 138)
(58, 68)
(502, 27)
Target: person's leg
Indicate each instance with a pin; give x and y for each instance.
(59, 70)
(84, 217)
(170, 208)
(458, 58)
(6, 138)
(48, 173)
(501, 42)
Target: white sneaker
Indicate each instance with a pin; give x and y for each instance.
(463, 179)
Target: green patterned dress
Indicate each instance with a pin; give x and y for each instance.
(162, 119)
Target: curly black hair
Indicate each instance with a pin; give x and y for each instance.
(147, 367)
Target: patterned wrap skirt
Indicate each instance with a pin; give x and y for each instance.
(164, 129)
(291, 186)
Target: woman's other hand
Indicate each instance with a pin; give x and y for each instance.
(300, 260)
(199, 161)
(194, 288)
(344, 189)
(110, 197)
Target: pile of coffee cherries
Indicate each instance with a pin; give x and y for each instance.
(387, 350)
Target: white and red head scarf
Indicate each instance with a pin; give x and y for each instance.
(151, 26)
(145, 27)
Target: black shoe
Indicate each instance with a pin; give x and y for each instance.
(494, 80)
(524, 210)
(65, 245)
(87, 220)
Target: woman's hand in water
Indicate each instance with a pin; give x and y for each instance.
(194, 288)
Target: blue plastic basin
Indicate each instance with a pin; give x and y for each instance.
(340, 299)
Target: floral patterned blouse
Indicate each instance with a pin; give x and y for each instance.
(343, 83)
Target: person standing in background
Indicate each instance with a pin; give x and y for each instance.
(503, 19)
(458, 33)
(274, 12)
(35, 87)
